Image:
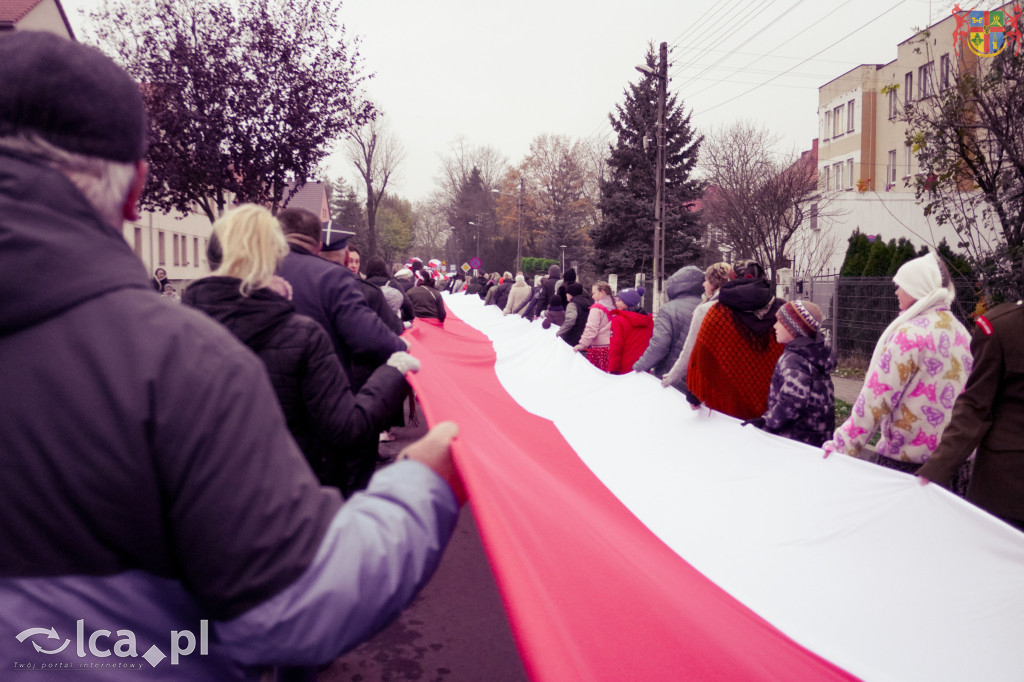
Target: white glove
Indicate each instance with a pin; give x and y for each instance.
(403, 362)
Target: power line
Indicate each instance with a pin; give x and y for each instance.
(762, 30)
(825, 49)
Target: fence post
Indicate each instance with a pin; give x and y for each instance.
(835, 312)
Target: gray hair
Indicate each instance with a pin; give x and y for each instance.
(105, 184)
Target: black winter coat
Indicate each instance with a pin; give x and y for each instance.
(328, 420)
(427, 302)
(396, 285)
(582, 304)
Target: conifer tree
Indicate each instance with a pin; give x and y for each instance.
(624, 239)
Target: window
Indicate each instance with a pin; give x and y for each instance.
(890, 170)
(944, 72)
(195, 251)
(849, 174)
(837, 174)
(814, 216)
(828, 125)
(925, 84)
(908, 87)
(138, 242)
(908, 157)
(825, 179)
(161, 255)
(849, 116)
(837, 121)
(894, 104)
(177, 260)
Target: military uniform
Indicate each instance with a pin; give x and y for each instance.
(989, 416)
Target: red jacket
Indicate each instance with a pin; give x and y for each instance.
(631, 333)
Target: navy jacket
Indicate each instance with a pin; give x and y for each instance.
(332, 296)
(150, 483)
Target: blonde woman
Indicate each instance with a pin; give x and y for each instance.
(327, 419)
(597, 335)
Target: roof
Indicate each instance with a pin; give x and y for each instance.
(13, 11)
(311, 196)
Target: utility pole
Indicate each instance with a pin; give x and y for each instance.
(519, 238)
(659, 187)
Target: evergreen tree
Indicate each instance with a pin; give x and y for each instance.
(472, 205)
(958, 264)
(904, 251)
(624, 239)
(346, 208)
(856, 255)
(879, 258)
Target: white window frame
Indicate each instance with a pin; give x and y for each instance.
(837, 121)
(837, 174)
(850, 109)
(890, 170)
(925, 80)
(849, 174)
(908, 86)
(908, 158)
(827, 179)
(945, 71)
(828, 125)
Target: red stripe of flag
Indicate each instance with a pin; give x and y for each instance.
(591, 593)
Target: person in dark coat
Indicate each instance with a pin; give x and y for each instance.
(328, 420)
(547, 289)
(377, 275)
(989, 416)
(672, 324)
(477, 286)
(149, 479)
(502, 290)
(555, 314)
(341, 252)
(160, 280)
(331, 295)
(576, 313)
(801, 400)
(426, 300)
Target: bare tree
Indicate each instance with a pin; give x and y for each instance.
(457, 167)
(430, 231)
(757, 200)
(969, 143)
(376, 152)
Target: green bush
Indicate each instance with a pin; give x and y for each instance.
(537, 266)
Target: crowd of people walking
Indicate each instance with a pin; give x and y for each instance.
(726, 341)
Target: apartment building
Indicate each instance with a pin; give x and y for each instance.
(866, 165)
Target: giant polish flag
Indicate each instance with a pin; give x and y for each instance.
(634, 539)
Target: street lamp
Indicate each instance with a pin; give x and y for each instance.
(658, 262)
(477, 239)
(563, 247)
(519, 219)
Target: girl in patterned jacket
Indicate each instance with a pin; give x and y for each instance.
(919, 367)
(801, 400)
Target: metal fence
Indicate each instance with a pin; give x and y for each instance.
(858, 309)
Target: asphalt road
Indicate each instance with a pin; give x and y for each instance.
(455, 630)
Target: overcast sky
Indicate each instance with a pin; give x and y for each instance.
(502, 73)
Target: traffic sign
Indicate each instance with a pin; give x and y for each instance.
(465, 267)
(474, 262)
